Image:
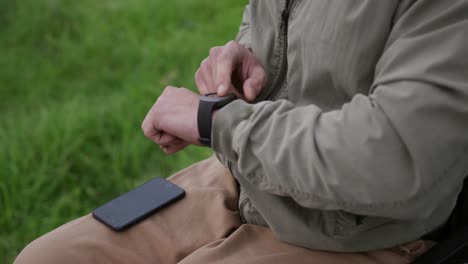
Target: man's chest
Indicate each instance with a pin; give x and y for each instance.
(331, 47)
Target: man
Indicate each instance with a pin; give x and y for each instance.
(349, 135)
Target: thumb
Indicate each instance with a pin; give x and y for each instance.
(254, 84)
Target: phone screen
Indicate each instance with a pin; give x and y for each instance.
(138, 203)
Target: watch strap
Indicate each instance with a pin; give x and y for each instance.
(205, 119)
(208, 104)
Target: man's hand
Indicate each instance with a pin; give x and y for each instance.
(231, 68)
(172, 121)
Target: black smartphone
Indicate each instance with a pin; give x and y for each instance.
(135, 205)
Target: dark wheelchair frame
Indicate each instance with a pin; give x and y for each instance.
(452, 237)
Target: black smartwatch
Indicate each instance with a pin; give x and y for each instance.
(209, 103)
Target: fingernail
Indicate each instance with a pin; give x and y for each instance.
(221, 89)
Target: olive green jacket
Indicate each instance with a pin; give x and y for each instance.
(359, 140)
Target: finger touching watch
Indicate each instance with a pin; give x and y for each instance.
(208, 104)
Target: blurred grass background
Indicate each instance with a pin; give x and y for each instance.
(76, 80)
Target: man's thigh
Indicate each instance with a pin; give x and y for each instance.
(251, 244)
(207, 213)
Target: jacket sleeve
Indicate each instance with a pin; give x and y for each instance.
(394, 153)
(243, 37)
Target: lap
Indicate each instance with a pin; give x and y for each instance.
(207, 212)
(204, 227)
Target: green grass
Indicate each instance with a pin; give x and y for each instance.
(76, 80)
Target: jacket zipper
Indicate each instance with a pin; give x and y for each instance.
(284, 61)
(281, 76)
(241, 214)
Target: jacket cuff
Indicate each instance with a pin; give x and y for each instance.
(226, 121)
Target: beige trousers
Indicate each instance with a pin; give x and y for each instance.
(203, 227)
